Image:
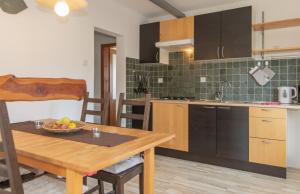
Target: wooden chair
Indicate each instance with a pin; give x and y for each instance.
(102, 113)
(14, 89)
(118, 179)
(11, 171)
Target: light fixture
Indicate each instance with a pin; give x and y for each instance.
(61, 8)
(189, 50)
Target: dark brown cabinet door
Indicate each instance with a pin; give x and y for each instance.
(149, 35)
(233, 133)
(236, 36)
(207, 36)
(202, 130)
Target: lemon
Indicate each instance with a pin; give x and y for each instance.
(65, 121)
(72, 125)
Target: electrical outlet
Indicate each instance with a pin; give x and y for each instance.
(202, 79)
(160, 80)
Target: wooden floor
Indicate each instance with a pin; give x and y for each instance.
(183, 177)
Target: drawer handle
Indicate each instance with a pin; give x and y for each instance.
(265, 142)
(266, 121)
(265, 109)
(209, 107)
(225, 108)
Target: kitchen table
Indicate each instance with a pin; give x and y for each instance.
(75, 160)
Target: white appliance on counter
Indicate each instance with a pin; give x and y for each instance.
(287, 94)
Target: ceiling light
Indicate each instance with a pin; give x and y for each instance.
(61, 8)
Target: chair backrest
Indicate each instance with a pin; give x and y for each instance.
(11, 169)
(28, 89)
(104, 108)
(143, 117)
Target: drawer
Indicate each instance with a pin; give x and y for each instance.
(268, 112)
(268, 128)
(268, 152)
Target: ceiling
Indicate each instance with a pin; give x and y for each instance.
(148, 9)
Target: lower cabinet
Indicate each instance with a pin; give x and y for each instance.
(203, 130)
(268, 136)
(233, 133)
(268, 152)
(172, 118)
(219, 131)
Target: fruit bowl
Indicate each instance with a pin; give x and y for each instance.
(63, 126)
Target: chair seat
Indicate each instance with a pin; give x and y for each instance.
(124, 165)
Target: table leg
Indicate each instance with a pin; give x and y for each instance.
(149, 171)
(74, 182)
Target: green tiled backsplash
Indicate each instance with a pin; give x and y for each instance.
(182, 78)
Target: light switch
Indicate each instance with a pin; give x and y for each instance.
(160, 80)
(202, 79)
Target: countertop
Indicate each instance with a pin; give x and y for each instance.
(229, 103)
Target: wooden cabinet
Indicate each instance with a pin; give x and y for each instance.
(268, 128)
(267, 144)
(269, 152)
(202, 130)
(219, 131)
(149, 35)
(233, 133)
(172, 118)
(236, 33)
(207, 36)
(226, 34)
(177, 29)
(276, 113)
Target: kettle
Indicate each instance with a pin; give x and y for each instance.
(286, 94)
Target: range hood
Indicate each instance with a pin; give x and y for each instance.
(173, 46)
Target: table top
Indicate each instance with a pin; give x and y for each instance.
(82, 157)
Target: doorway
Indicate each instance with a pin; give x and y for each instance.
(108, 77)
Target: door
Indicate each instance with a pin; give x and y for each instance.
(237, 33)
(202, 130)
(233, 133)
(172, 118)
(108, 78)
(207, 36)
(149, 35)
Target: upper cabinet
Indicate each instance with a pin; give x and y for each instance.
(149, 35)
(177, 29)
(207, 36)
(226, 34)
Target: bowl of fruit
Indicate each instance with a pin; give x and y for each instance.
(64, 125)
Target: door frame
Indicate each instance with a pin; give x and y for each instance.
(106, 78)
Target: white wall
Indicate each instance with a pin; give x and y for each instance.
(37, 43)
(99, 40)
(274, 10)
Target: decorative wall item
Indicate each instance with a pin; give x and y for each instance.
(262, 75)
(13, 6)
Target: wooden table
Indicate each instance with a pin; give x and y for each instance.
(75, 160)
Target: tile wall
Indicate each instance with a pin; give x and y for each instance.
(182, 78)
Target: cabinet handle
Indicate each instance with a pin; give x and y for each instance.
(223, 51)
(266, 121)
(225, 108)
(218, 52)
(209, 107)
(265, 142)
(156, 56)
(265, 109)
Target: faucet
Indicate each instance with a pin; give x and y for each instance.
(220, 94)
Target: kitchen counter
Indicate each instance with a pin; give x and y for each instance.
(229, 103)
